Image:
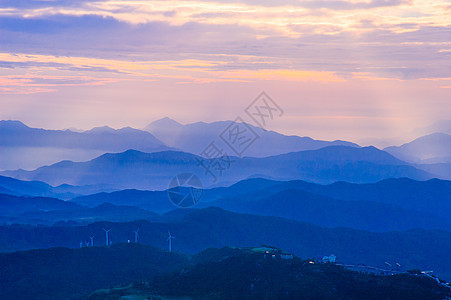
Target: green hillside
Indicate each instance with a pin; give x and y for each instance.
(248, 274)
(62, 273)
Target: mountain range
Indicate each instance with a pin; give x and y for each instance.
(17, 134)
(392, 204)
(329, 212)
(441, 170)
(12, 186)
(28, 148)
(309, 197)
(136, 271)
(18, 142)
(432, 196)
(439, 126)
(48, 211)
(212, 227)
(195, 137)
(250, 273)
(13, 205)
(23, 147)
(154, 171)
(428, 149)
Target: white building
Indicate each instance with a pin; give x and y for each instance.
(329, 259)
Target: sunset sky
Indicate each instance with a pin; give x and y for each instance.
(368, 71)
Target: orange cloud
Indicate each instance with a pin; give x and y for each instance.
(35, 83)
(284, 75)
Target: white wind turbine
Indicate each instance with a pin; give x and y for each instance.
(170, 241)
(92, 241)
(106, 236)
(388, 265)
(136, 235)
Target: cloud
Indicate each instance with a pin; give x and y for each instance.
(333, 65)
(331, 4)
(53, 66)
(35, 83)
(227, 36)
(284, 75)
(352, 5)
(26, 4)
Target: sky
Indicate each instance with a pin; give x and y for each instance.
(370, 71)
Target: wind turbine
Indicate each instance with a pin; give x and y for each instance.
(106, 236)
(388, 265)
(136, 235)
(87, 244)
(170, 241)
(92, 241)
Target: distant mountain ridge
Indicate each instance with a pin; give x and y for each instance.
(439, 126)
(432, 148)
(138, 170)
(212, 227)
(48, 211)
(332, 212)
(12, 186)
(22, 147)
(84, 215)
(442, 170)
(19, 187)
(392, 204)
(15, 133)
(13, 205)
(432, 196)
(195, 137)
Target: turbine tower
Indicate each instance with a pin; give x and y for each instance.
(170, 241)
(106, 236)
(92, 241)
(136, 235)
